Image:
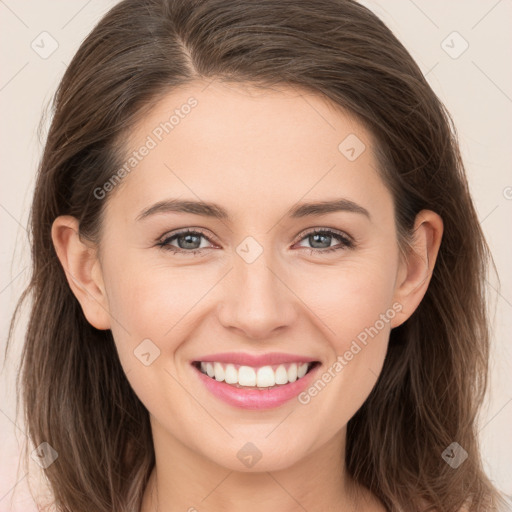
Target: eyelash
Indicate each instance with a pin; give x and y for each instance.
(345, 241)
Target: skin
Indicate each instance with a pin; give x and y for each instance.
(257, 154)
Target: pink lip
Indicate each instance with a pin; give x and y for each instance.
(256, 361)
(256, 398)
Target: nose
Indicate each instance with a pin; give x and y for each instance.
(257, 301)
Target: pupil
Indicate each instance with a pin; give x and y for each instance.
(317, 236)
(189, 239)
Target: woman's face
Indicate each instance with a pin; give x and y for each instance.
(261, 281)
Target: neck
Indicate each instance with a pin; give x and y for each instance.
(185, 480)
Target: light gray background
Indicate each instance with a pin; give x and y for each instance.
(475, 86)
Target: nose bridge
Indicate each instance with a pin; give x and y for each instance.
(257, 300)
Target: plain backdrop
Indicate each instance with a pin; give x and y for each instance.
(461, 46)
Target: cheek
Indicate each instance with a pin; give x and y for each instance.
(152, 308)
(355, 305)
(351, 297)
(151, 300)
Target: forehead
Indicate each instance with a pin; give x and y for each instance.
(247, 147)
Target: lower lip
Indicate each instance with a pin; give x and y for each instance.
(256, 398)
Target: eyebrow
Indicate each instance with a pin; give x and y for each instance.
(216, 211)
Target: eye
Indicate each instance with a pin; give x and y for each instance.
(321, 239)
(188, 242)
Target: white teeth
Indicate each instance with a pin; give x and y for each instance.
(292, 373)
(301, 371)
(231, 374)
(281, 375)
(263, 377)
(246, 376)
(219, 371)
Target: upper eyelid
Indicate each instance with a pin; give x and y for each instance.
(184, 231)
(313, 231)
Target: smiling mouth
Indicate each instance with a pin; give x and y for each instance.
(248, 377)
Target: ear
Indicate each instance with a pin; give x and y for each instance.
(416, 267)
(83, 271)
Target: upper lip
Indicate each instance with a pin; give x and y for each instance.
(253, 360)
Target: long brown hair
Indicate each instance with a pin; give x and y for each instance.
(74, 391)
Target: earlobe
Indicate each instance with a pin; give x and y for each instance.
(83, 271)
(417, 266)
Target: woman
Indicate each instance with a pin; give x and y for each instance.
(258, 274)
